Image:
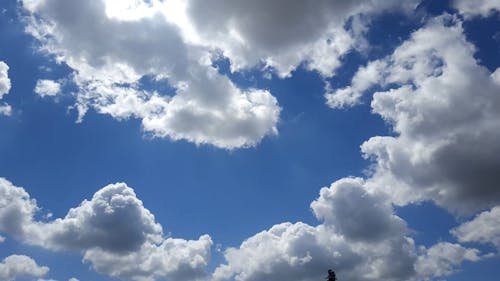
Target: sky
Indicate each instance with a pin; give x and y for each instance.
(265, 140)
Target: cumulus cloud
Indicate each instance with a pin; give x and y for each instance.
(5, 85)
(113, 230)
(443, 107)
(484, 228)
(471, 8)
(360, 237)
(46, 87)
(112, 46)
(348, 208)
(17, 266)
(283, 34)
(442, 259)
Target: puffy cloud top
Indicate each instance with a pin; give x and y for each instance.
(113, 230)
(484, 228)
(446, 137)
(18, 266)
(47, 88)
(110, 51)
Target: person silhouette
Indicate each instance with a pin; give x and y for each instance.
(331, 275)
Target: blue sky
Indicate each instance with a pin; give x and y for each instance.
(251, 140)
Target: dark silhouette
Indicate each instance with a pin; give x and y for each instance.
(331, 275)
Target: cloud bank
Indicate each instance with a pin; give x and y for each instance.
(370, 243)
(445, 144)
(113, 231)
(110, 54)
(113, 46)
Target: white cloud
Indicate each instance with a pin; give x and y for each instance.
(17, 266)
(354, 213)
(111, 45)
(361, 238)
(5, 85)
(112, 48)
(472, 8)
(282, 34)
(443, 107)
(484, 228)
(46, 87)
(442, 259)
(4, 79)
(115, 233)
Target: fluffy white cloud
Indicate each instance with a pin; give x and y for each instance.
(5, 85)
(472, 8)
(443, 107)
(115, 233)
(111, 47)
(484, 228)
(347, 207)
(282, 34)
(17, 266)
(4, 79)
(442, 259)
(361, 238)
(46, 87)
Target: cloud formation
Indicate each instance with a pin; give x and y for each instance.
(17, 266)
(471, 8)
(115, 233)
(484, 228)
(282, 34)
(112, 46)
(48, 88)
(442, 260)
(112, 51)
(361, 238)
(445, 127)
(5, 85)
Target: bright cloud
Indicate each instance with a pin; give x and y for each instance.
(440, 102)
(442, 260)
(18, 266)
(445, 127)
(472, 8)
(372, 245)
(112, 45)
(283, 34)
(484, 228)
(110, 55)
(46, 87)
(5, 85)
(115, 233)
